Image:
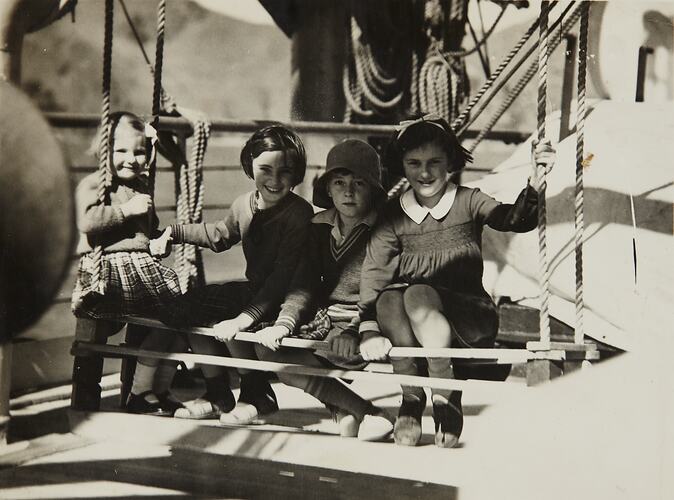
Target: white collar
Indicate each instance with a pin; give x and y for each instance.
(417, 212)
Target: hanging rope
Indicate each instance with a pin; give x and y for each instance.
(189, 186)
(104, 153)
(544, 273)
(580, 143)
(156, 88)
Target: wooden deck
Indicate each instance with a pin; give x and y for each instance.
(296, 452)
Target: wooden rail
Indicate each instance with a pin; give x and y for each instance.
(77, 120)
(86, 348)
(495, 355)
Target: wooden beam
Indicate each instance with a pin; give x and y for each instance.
(84, 348)
(497, 355)
(561, 346)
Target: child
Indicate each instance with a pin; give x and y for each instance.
(422, 275)
(136, 283)
(272, 224)
(326, 287)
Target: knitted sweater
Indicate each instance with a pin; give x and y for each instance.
(445, 252)
(273, 241)
(105, 224)
(329, 276)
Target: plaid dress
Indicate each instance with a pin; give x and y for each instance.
(135, 284)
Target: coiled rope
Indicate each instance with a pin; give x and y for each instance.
(580, 142)
(104, 174)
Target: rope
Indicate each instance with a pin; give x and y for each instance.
(544, 274)
(104, 153)
(580, 142)
(497, 72)
(524, 81)
(156, 89)
(464, 126)
(479, 44)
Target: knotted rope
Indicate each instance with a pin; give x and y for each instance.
(580, 143)
(544, 272)
(104, 153)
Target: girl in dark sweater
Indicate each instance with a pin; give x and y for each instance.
(422, 275)
(272, 223)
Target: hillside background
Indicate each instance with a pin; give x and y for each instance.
(225, 67)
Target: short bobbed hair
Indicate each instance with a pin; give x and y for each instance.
(423, 131)
(276, 137)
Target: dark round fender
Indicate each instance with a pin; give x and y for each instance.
(36, 212)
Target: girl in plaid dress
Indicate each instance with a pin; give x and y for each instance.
(135, 282)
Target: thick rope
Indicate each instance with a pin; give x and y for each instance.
(104, 154)
(544, 272)
(580, 143)
(156, 89)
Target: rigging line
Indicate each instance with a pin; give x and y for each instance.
(485, 64)
(464, 116)
(136, 35)
(478, 45)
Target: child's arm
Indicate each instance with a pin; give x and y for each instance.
(380, 268)
(218, 236)
(290, 249)
(304, 287)
(521, 216)
(95, 217)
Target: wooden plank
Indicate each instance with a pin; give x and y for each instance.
(83, 348)
(502, 356)
(561, 346)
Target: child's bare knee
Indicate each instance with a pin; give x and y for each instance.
(420, 301)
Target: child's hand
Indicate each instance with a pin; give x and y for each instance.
(374, 347)
(271, 336)
(345, 344)
(138, 205)
(227, 330)
(543, 157)
(161, 247)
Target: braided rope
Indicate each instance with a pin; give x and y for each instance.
(580, 143)
(497, 72)
(98, 283)
(157, 89)
(524, 81)
(544, 272)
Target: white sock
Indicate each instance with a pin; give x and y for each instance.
(143, 378)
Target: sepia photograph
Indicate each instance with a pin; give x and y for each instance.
(336, 249)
